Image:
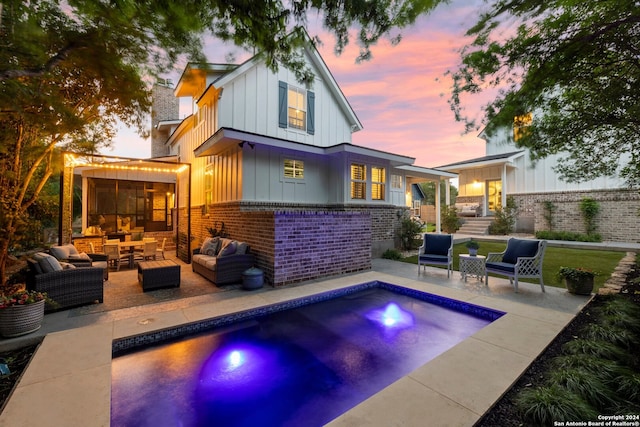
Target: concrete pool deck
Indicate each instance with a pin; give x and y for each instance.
(68, 382)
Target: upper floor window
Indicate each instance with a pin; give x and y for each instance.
(358, 181)
(521, 124)
(296, 108)
(293, 168)
(377, 183)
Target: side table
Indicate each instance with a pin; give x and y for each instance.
(472, 266)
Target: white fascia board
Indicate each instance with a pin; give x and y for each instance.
(481, 164)
(394, 159)
(429, 173)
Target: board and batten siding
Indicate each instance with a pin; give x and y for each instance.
(264, 177)
(539, 176)
(250, 103)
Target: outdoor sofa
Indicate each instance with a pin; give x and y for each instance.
(69, 254)
(468, 209)
(65, 284)
(222, 260)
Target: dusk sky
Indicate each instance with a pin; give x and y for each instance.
(400, 95)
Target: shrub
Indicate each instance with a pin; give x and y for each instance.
(505, 219)
(409, 229)
(544, 405)
(392, 254)
(449, 219)
(567, 236)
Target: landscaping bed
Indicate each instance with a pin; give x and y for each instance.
(551, 376)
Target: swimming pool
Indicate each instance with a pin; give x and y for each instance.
(302, 362)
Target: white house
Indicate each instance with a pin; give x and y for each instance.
(273, 160)
(507, 170)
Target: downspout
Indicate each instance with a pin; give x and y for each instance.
(437, 201)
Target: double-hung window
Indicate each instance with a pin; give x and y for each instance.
(296, 108)
(358, 181)
(377, 183)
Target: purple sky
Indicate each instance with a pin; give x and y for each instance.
(400, 95)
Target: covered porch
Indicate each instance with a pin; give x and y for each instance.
(104, 197)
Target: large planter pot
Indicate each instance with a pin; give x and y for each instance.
(583, 286)
(21, 319)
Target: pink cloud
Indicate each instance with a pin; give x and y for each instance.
(401, 94)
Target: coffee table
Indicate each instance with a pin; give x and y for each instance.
(158, 274)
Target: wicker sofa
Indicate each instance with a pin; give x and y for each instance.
(221, 260)
(68, 287)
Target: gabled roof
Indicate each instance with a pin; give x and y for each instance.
(224, 73)
(495, 159)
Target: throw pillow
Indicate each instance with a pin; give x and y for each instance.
(242, 248)
(81, 256)
(47, 262)
(210, 246)
(229, 249)
(67, 266)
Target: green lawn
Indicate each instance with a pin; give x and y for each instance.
(602, 262)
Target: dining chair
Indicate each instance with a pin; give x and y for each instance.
(160, 250)
(148, 252)
(115, 257)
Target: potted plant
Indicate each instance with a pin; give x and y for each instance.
(473, 246)
(21, 312)
(578, 280)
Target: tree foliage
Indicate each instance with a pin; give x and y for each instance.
(429, 190)
(575, 65)
(69, 71)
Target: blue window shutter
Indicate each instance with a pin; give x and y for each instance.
(311, 111)
(282, 104)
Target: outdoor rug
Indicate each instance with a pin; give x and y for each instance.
(122, 290)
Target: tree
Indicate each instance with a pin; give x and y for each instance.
(575, 65)
(70, 70)
(429, 190)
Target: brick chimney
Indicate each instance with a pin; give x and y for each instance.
(164, 106)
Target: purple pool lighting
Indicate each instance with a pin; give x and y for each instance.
(300, 366)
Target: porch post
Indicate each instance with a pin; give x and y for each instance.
(503, 196)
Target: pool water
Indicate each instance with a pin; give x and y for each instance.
(299, 367)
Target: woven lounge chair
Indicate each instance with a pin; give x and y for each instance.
(522, 258)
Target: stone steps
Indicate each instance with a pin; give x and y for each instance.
(475, 226)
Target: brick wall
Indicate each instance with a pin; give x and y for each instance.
(617, 220)
(294, 243)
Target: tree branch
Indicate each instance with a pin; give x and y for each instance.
(48, 66)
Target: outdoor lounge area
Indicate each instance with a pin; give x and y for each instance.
(78, 356)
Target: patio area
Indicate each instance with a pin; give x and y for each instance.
(456, 388)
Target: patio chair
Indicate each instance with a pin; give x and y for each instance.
(115, 257)
(160, 250)
(436, 249)
(148, 252)
(522, 258)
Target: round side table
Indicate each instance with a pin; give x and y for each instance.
(472, 266)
